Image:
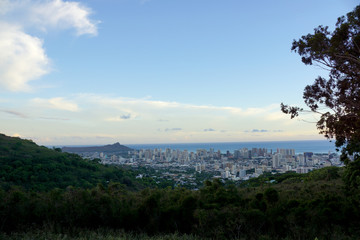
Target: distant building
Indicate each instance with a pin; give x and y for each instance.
(308, 157)
(286, 152)
(276, 160)
(301, 159)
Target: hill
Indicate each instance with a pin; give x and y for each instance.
(111, 148)
(286, 206)
(24, 163)
(309, 206)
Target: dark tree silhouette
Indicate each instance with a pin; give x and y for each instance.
(336, 98)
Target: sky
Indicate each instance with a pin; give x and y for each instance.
(157, 71)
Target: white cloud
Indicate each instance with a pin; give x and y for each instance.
(134, 106)
(277, 116)
(49, 14)
(57, 103)
(129, 119)
(22, 58)
(63, 14)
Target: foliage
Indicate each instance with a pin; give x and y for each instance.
(328, 173)
(336, 99)
(268, 178)
(282, 211)
(312, 205)
(23, 163)
(100, 234)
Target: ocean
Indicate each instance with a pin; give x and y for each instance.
(315, 146)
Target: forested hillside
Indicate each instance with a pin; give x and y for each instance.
(43, 187)
(316, 206)
(25, 164)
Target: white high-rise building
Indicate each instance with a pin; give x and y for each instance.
(276, 160)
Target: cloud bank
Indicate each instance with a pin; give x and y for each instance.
(127, 119)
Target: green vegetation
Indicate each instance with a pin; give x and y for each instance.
(323, 174)
(23, 163)
(335, 99)
(101, 234)
(115, 205)
(273, 206)
(318, 207)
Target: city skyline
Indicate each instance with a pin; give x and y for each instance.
(241, 164)
(156, 71)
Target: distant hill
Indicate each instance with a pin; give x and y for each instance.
(24, 163)
(112, 148)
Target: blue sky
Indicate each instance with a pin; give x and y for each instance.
(156, 71)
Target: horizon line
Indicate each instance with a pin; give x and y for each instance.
(183, 143)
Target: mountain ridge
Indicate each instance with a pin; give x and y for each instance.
(110, 148)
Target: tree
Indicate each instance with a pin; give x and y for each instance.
(336, 98)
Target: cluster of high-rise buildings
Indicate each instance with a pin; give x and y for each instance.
(241, 164)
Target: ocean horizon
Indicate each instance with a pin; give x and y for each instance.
(300, 146)
(315, 146)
